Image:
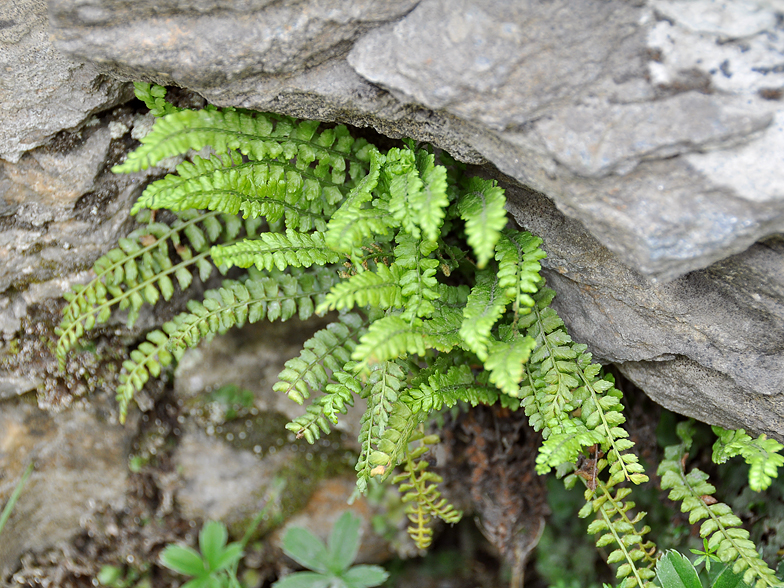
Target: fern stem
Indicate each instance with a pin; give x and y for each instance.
(618, 540)
(607, 434)
(751, 563)
(95, 310)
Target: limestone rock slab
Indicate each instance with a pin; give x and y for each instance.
(709, 344)
(80, 462)
(43, 91)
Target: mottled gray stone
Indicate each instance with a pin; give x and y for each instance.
(43, 91)
(709, 344)
(570, 98)
(64, 209)
(80, 463)
(657, 126)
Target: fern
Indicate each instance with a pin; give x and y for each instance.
(721, 527)
(329, 349)
(275, 298)
(441, 304)
(481, 206)
(420, 490)
(276, 250)
(141, 270)
(762, 454)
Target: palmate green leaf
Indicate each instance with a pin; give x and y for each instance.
(306, 549)
(481, 206)
(276, 250)
(183, 560)
(365, 576)
(343, 544)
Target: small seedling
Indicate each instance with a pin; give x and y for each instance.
(6, 514)
(330, 563)
(674, 570)
(214, 567)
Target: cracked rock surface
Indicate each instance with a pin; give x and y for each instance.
(643, 140)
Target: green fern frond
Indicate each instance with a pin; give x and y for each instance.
(518, 254)
(382, 389)
(328, 349)
(481, 206)
(565, 445)
(418, 282)
(420, 490)
(325, 409)
(505, 361)
(141, 270)
(602, 411)
(258, 136)
(441, 389)
(722, 528)
(228, 184)
(380, 289)
(486, 304)
(351, 225)
(276, 250)
(621, 531)
(154, 98)
(547, 392)
(417, 192)
(393, 336)
(762, 455)
(278, 297)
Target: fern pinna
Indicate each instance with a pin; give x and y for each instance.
(438, 300)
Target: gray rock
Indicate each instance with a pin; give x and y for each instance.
(43, 91)
(595, 104)
(709, 344)
(80, 463)
(64, 209)
(654, 125)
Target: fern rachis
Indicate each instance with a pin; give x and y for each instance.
(442, 304)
